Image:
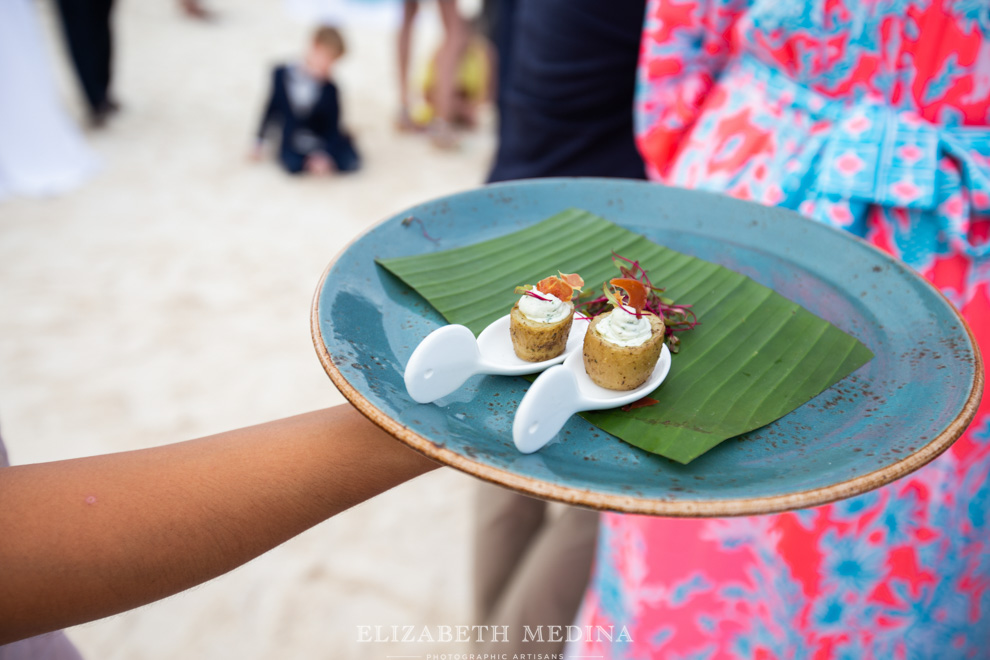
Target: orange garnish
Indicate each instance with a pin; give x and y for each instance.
(635, 290)
(554, 286)
(562, 287)
(573, 279)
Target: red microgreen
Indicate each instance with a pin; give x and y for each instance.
(677, 318)
(408, 220)
(528, 291)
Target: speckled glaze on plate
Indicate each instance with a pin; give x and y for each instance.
(891, 417)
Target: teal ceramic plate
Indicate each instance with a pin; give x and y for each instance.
(891, 417)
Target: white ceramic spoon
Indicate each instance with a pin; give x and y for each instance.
(450, 355)
(566, 389)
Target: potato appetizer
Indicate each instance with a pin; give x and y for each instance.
(534, 341)
(540, 321)
(622, 346)
(616, 367)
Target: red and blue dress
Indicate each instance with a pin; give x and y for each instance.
(872, 117)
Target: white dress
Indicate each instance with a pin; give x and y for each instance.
(42, 152)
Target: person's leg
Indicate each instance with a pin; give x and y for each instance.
(76, 19)
(456, 36)
(567, 78)
(103, 62)
(505, 525)
(547, 582)
(346, 156)
(195, 9)
(465, 112)
(293, 162)
(404, 47)
(502, 39)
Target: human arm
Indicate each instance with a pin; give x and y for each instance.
(270, 113)
(685, 46)
(86, 538)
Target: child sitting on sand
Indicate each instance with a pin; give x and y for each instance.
(305, 103)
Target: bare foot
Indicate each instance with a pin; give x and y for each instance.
(193, 9)
(404, 122)
(443, 136)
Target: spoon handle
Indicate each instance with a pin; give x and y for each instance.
(441, 363)
(547, 406)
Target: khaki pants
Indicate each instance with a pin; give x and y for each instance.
(530, 567)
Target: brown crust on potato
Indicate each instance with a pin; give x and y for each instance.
(535, 342)
(617, 367)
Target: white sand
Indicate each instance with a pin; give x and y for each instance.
(169, 299)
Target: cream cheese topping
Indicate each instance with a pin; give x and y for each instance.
(551, 310)
(623, 328)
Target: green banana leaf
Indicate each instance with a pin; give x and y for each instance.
(754, 357)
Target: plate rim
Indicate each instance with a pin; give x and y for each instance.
(679, 508)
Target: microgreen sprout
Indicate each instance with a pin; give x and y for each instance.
(529, 290)
(676, 318)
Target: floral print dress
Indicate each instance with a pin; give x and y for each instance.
(871, 117)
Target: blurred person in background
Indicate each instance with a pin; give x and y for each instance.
(87, 29)
(874, 118)
(41, 150)
(567, 74)
(567, 83)
(196, 10)
(457, 34)
(304, 103)
(473, 84)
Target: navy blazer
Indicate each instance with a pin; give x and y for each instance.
(323, 120)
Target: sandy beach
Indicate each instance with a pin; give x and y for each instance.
(168, 298)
